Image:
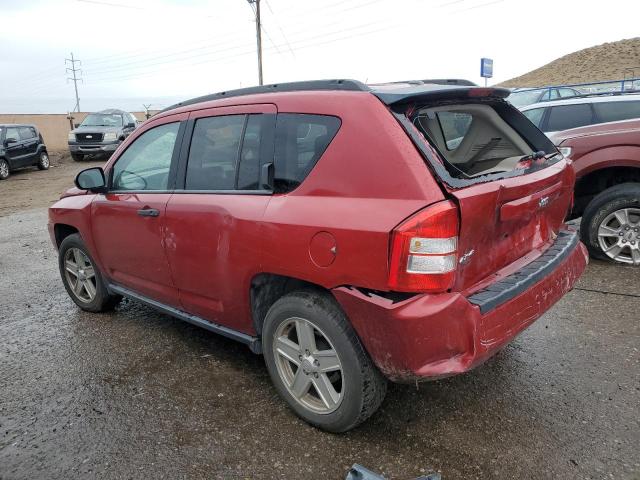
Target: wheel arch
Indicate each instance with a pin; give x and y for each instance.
(599, 180)
(267, 288)
(62, 231)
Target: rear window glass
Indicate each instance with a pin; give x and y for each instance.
(479, 138)
(455, 126)
(300, 142)
(614, 111)
(565, 117)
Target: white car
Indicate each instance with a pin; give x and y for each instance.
(558, 115)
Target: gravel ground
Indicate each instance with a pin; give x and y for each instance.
(135, 394)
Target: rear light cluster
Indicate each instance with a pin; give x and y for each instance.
(424, 250)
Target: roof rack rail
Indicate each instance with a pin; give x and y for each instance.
(310, 85)
(606, 94)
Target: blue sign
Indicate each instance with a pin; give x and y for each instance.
(486, 67)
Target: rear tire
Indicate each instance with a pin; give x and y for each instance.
(82, 278)
(610, 226)
(347, 378)
(77, 157)
(4, 169)
(43, 161)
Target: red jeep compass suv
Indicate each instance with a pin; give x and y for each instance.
(347, 232)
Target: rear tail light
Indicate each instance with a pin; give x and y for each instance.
(424, 250)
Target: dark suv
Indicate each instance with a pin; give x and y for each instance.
(333, 227)
(21, 146)
(100, 133)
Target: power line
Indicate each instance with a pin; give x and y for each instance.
(75, 79)
(234, 56)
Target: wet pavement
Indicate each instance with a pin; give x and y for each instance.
(136, 394)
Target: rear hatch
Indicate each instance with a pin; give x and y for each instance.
(513, 188)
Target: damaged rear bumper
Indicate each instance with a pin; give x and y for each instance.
(429, 336)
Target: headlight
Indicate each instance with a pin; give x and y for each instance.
(110, 136)
(565, 151)
(71, 137)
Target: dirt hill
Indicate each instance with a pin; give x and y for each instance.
(609, 61)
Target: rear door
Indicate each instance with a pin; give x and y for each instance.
(29, 140)
(213, 219)
(129, 221)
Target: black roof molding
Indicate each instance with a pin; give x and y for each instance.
(311, 85)
(390, 93)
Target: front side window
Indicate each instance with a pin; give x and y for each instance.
(300, 142)
(535, 115)
(145, 164)
(564, 117)
(13, 134)
(615, 111)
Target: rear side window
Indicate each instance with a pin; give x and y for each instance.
(567, 92)
(227, 152)
(214, 150)
(300, 142)
(535, 115)
(27, 133)
(565, 117)
(614, 111)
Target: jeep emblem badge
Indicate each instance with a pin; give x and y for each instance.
(543, 202)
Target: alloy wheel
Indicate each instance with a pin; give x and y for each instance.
(619, 236)
(44, 160)
(308, 365)
(80, 275)
(4, 169)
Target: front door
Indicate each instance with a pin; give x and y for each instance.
(128, 222)
(213, 218)
(14, 150)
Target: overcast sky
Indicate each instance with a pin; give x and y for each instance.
(159, 51)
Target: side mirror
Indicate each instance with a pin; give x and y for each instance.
(91, 179)
(10, 140)
(130, 125)
(76, 125)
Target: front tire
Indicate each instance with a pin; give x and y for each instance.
(77, 157)
(43, 161)
(4, 169)
(610, 226)
(317, 363)
(81, 278)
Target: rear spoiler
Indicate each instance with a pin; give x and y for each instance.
(424, 93)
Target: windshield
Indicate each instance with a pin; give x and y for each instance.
(525, 97)
(102, 120)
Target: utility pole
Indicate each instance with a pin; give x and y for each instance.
(258, 37)
(146, 110)
(75, 79)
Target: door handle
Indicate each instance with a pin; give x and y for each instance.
(148, 212)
